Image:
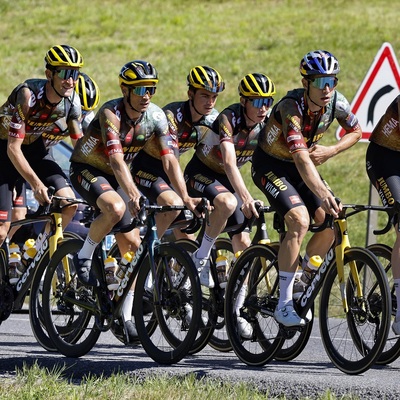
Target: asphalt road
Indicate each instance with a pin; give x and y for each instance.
(309, 375)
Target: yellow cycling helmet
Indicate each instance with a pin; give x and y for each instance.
(88, 91)
(63, 56)
(138, 73)
(257, 85)
(203, 77)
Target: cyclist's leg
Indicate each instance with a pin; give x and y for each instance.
(385, 176)
(279, 181)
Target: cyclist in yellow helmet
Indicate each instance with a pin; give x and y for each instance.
(100, 170)
(30, 111)
(214, 170)
(284, 167)
(186, 120)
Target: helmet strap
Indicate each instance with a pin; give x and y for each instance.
(52, 85)
(309, 97)
(194, 107)
(129, 101)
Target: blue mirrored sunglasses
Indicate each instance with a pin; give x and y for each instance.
(321, 82)
(142, 90)
(65, 74)
(263, 101)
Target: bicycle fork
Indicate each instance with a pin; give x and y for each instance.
(342, 244)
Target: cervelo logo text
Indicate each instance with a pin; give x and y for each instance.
(128, 272)
(32, 264)
(317, 277)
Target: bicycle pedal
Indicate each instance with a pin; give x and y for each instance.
(288, 332)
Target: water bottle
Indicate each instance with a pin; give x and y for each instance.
(312, 266)
(29, 252)
(222, 264)
(110, 266)
(14, 263)
(123, 264)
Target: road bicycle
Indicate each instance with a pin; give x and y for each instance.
(13, 297)
(383, 252)
(355, 304)
(160, 303)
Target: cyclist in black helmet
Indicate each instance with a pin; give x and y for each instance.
(30, 112)
(284, 166)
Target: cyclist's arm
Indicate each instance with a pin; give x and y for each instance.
(320, 154)
(175, 175)
(236, 179)
(312, 179)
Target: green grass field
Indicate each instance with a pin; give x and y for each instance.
(236, 37)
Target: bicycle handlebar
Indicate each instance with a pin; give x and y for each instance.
(45, 209)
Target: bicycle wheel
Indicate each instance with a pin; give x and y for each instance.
(296, 342)
(258, 267)
(391, 350)
(36, 317)
(209, 313)
(219, 339)
(354, 339)
(68, 307)
(176, 301)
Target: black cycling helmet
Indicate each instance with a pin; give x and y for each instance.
(258, 85)
(138, 73)
(63, 56)
(203, 77)
(319, 62)
(88, 91)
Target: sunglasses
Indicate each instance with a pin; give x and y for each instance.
(65, 74)
(263, 101)
(320, 83)
(142, 90)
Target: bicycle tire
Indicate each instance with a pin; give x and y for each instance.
(219, 339)
(61, 315)
(208, 309)
(391, 352)
(174, 334)
(36, 317)
(257, 263)
(354, 340)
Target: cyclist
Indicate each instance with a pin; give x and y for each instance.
(214, 171)
(89, 95)
(100, 168)
(30, 112)
(186, 120)
(284, 166)
(383, 171)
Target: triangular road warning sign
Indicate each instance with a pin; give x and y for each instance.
(379, 88)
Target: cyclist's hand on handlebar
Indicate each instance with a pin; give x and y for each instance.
(41, 195)
(249, 208)
(331, 206)
(194, 204)
(134, 205)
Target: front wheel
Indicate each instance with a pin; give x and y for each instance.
(391, 352)
(354, 338)
(174, 297)
(68, 307)
(252, 294)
